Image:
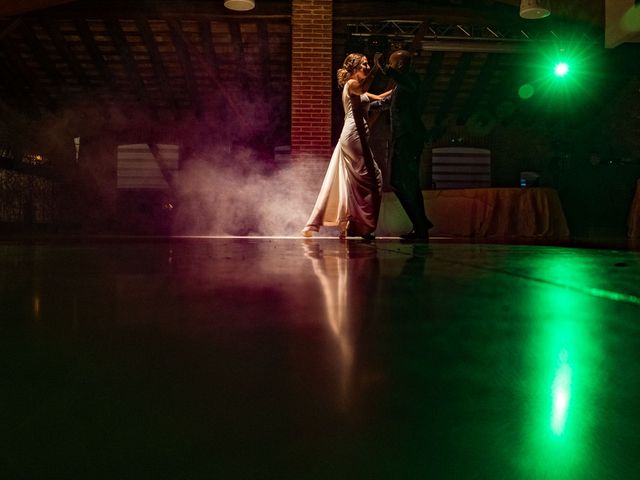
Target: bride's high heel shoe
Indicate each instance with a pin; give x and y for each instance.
(343, 229)
(307, 232)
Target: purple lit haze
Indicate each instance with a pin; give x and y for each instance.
(222, 193)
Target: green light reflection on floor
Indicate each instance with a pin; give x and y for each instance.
(558, 418)
(561, 394)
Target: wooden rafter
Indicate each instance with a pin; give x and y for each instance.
(39, 53)
(265, 61)
(236, 39)
(236, 43)
(208, 59)
(27, 76)
(454, 86)
(94, 52)
(156, 62)
(231, 101)
(9, 27)
(122, 47)
(433, 67)
(63, 49)
(416, 43)
(208, 51)
(481, 82)
(166, 173)
(181, 46)
(18, 91)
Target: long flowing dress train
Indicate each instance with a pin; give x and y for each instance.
(352, 188)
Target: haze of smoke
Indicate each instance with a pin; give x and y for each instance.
(223, 194)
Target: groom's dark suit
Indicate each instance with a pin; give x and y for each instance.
(408, 135)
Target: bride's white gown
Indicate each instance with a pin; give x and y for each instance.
(348, 197)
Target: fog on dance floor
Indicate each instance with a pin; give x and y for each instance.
(219, 193)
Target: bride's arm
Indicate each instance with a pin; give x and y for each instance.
(358, 88)
(366, 83)
(381, 96)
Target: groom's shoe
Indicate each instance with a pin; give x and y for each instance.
(414, 236)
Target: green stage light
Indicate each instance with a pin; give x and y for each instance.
(561, 78)
(561, 69)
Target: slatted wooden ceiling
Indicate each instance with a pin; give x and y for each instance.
(171, 60)
(166, 60)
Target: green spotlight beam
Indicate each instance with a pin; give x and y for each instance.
(561, 69)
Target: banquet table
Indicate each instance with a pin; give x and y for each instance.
(483, 213)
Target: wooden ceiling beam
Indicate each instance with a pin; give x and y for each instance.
(167, 174)
(156, 62)
(122, 47)
(431, 73)
(265, 58)
(453, 87)
(231, 101)
(238, 46)
(39, 53)
(479, 88)
(209, 53)
(416, 43)
(236, 39)
(27, 76)
(19, 94)
(9, 27)
(182, 51)
(65, 52)
(94, 52)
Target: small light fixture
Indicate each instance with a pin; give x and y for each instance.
(240, 5)
(534, 9)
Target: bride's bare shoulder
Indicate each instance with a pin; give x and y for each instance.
(354, 87)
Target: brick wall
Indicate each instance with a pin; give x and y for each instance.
(311, 77)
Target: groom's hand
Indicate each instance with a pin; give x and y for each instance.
(376, 60)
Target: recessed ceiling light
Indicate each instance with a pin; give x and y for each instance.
(240, 5)
(534, 9)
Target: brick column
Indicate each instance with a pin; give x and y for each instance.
(311, 77)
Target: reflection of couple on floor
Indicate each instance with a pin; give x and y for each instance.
(355, 287)
(351, 192)
(348, 276)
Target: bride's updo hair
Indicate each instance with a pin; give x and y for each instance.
(350, 65)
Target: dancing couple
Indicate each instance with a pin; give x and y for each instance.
(351, 192)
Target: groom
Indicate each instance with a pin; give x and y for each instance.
(408, 135)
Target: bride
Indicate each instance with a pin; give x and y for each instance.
(351, 191)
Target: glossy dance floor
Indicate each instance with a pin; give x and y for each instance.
(286, 358)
